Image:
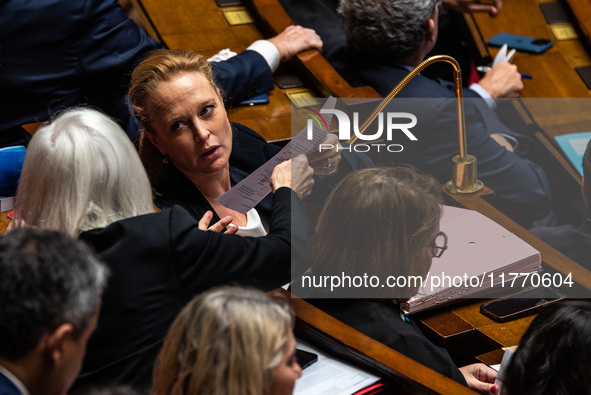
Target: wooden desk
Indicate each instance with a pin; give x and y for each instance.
(554, 77)
(4, 221)
(553, 71)
(580, 11)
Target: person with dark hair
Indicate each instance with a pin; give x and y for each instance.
(407, 204)
(572, 241)
(50, 293)
(554, 354)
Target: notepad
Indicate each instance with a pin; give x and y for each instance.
(480, 252)
(573, 145)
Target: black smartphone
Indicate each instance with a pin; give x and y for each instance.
(228, 3)
(521, 304)
(521, 43)
(305, 358)
(263, 98)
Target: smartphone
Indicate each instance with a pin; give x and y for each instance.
(259, 99)
(521, 43)
(520, 305)
(305, 358)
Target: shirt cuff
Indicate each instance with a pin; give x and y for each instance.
(485, 95)
(268, 51)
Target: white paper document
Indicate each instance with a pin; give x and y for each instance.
(250, 191)
(328, 376)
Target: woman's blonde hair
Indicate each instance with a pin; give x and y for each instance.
(224, 342)
(160, 66)
(81, 172)
(377, 221)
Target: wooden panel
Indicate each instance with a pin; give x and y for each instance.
(581, 11)
(4, 221)
(509, 333)
(492, 357)
(316, 69)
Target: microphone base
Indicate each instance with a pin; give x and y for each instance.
(453, 188)
(464, 176)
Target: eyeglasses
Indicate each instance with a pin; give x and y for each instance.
(439, 245)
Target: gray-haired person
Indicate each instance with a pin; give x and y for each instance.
(50, 292)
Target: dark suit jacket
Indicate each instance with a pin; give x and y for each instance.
(573, 242)
(7, 387)
(159, 261)
(249, 152)
(55, 54)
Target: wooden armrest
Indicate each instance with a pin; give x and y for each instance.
(311, 65)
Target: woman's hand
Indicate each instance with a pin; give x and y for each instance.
(295, 174)
(326, 163)
(218, 226)
(480, 378)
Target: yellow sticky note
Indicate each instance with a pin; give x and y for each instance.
(237, 16)
(564, 31)
(302, 98)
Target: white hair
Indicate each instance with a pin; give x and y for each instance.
(81, 172)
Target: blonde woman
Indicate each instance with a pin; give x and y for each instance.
(193, 154)
(229, 341)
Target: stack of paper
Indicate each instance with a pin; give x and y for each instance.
(480, 254)
(330, 376)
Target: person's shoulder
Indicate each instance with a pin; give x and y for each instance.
(550, 232)
(249, 149)
(174, 216)
(244, 132)
(7, 387)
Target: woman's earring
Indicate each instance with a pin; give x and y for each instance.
(165, 160)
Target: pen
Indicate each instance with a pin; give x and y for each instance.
(484, 69)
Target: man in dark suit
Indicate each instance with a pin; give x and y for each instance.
(50, 291)
(379, 43)
(56, 54)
